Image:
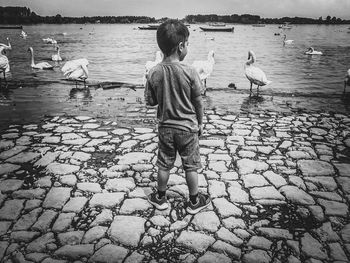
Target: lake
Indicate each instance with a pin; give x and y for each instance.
(118, 52)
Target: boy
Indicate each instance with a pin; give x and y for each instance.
(176, 88)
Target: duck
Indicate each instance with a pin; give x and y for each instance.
(254, 74)
(76, 70)
(40, 65)
(311, 51)
(150, 64)
(205, 68)
(288, 41)
(56, 57)
(347, 80)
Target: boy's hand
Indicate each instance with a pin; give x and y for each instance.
(200, 132)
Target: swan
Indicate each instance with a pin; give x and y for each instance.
(287, 42)
(254, 74)
(205, 68)
(347, 80)
(4, 66)
(49, 40)
(56, 57)
(40, 65)
(150, 64)
(4, 62)
(311, 51)
(24, 34)
(4, 47)
(76, 70)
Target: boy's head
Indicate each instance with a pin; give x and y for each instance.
(172, 36)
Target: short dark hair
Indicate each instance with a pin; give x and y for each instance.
(170, 34)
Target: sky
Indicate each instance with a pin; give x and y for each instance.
(181, 8)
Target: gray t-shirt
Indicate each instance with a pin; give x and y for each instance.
(173, 86)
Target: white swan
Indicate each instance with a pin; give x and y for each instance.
(4, 62)
(40, 65)
(24, 34)
(4, 47)
(205, 68)
(347, 80)
(311, 51)
(150, 64)
(254, 74)
(4, 66)
(56, 57)
(49, 40)
(288, 41)
(76, 70)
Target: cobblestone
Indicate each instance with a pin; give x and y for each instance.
(74, 189)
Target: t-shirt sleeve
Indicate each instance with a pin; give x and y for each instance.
(196, 84)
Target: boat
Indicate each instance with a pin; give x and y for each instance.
(286, 25)
(217, 24)
(11, 27)
(217, 27)
(149, 27)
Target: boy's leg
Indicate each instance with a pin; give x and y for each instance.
(198, 201)
(158, 199)
(165, 161)
(192, 183)
(188, 146)
(162, 181)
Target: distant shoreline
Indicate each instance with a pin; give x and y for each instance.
(21, 26)
(23, 16)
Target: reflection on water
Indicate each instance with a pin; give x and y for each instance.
(252, 102)
(81, 94)
(346, 100)
(5, 94)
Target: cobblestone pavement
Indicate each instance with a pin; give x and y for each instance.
(73, 189)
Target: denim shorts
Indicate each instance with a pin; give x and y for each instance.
(173, 140)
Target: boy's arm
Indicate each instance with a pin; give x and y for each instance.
(150, 97)
(198, 106)
(197, 101)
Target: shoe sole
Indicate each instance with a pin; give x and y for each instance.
(159, 207)
(195, 211)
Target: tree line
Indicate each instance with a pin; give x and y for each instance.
(23, 15)
(255, 19)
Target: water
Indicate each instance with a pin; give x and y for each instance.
(119, 53)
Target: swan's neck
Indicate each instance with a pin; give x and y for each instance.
(251, 60)
(159, 57)
(211, 60)
(32, 58)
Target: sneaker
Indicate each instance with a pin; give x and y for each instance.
(202, 202)
(159, 203)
